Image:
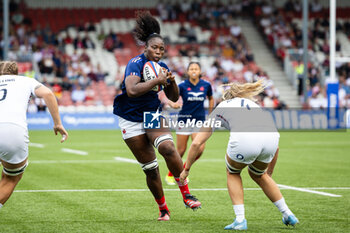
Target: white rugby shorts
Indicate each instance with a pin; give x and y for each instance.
(130, 129)
(187, 130)
(249, 147)
(14, 141)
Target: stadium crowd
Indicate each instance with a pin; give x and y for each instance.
(282, 30)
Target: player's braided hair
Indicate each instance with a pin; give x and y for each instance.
(246, 90)
(8, 68)
(147, 27)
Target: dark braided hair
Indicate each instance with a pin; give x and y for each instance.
(147, 27)
(8, 68)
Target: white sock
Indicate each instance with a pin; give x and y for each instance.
(0, 205)
(282, 207)
(239, 212)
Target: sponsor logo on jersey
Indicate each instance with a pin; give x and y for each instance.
(195, 96)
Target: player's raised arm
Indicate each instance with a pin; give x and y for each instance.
(51, 102)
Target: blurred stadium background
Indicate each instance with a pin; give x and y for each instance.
(80, 48)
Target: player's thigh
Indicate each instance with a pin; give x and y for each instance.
(13, 143)
(13, 166)
(193, 136)
(141, 147)
(234, 164)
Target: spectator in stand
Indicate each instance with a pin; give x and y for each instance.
(78, 43)
(56, 89)
(183, 50)
(191, 35)
(66, 84)
(315, 6)
(228, 51)
(90, 95)
(182, 31)
(78, 95)
(313, 75)
(162, 11)
(344, 92)
(235, 30)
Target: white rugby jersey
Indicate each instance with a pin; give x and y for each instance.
(15, 92)
(243, 115)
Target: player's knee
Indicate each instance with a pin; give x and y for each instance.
(152, 165)
(161, 139)
(152, 174)
(166, 146)
(14, 171)
(255, 173)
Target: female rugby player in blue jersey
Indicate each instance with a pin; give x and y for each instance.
(138, 97)
(193, 92)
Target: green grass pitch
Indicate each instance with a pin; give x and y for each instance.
(96, 193)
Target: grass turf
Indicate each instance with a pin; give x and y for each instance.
(307, 159)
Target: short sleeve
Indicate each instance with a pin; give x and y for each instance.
(134, 69)
(33, 84)
(181, 90)
(210, 90)
(218, 114)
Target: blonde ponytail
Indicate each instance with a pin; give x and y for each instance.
(246, 90)
(8, 68)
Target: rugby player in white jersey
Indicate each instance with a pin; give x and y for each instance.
(15, 92)
(253, 142)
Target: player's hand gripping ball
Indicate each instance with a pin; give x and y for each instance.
(150, 72)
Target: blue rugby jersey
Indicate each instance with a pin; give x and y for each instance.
(132, 109)
(193, 97)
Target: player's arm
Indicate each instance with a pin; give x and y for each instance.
(272, 164)
(50, 100)
(175, 105)
(135, 88)
(171, 90)
(201, 138)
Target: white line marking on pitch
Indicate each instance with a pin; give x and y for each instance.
(38, 145)
(70, 161)
(78, 152)
(146, 190)
(125, 160)
(308, 190)
(116, 159)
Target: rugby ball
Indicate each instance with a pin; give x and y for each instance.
(150, 72)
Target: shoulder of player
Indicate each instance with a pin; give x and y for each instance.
(183, 83)
(138, 59)
(205, 82)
